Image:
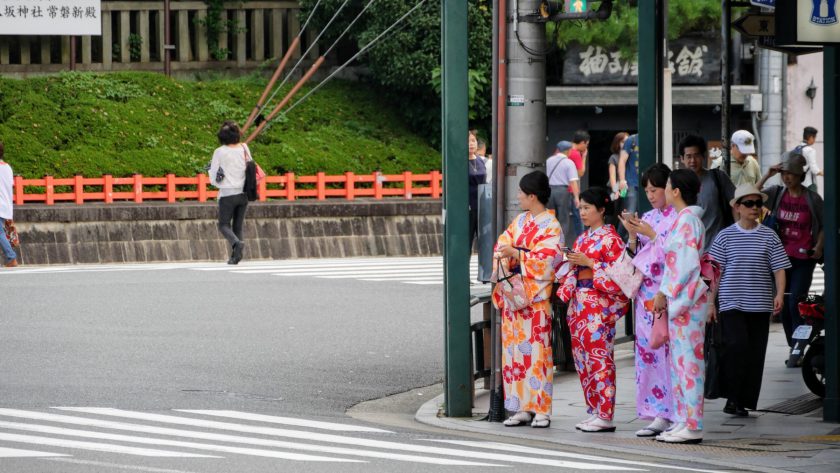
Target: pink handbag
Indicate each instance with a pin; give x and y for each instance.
(511, 287)
(625, 275)
(659, 332)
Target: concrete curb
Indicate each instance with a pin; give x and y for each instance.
(428, 415)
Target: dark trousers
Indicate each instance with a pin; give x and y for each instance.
(745, 337)
(473, 227)
(560, 201)
(232, 217)
(798, 280)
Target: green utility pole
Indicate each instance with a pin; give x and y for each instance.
(651, 51)
(456, 252)
(831, 71)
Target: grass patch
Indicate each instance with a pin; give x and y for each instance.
(145, 123)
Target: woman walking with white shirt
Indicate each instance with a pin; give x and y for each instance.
(6, 192)
(227, 172)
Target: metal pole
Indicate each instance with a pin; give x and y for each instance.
(831, 71)
(496, 412)
(167, 39)
(725, 80)
(650, 72)
(458, 356)
(525, 107)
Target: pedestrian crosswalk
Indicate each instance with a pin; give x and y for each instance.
(61, 432)
(421, 271)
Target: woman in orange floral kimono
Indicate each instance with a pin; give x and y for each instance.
(529, 247)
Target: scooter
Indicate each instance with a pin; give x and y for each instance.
(809, 346)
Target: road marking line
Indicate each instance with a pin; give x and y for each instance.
(45, 429)
(429, 283)
(348, 270)
(319, 437)
(16, 453)
(539, 451)
(400, 278)
(287, 421)
(105, 424)
(318, 263)
(99, 447)
(118, 466)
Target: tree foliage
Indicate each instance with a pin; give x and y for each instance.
(684, 16)
(403, 64)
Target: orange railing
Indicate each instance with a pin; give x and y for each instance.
(170, 188)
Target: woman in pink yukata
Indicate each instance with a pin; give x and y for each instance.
(687, 299)
(647, 240)
(595, 304)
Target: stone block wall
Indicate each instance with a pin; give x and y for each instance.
(127, 233)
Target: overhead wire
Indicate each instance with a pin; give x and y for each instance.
(303, 56)
(356, 56)
(318, 62)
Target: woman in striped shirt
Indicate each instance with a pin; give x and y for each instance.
(752, 257)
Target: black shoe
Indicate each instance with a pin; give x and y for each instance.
(730, 408)
(237, 252)
(734, 410)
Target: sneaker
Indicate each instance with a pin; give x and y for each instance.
(237, 252)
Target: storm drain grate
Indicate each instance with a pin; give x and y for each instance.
(796, 406)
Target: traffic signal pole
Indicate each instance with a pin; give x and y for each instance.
(456, 251)
(831, 97)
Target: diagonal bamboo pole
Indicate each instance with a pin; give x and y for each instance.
(288, 97)
(258, 107)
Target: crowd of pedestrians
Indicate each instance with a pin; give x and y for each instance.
(714, 248)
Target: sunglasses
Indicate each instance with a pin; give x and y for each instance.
(751, 203)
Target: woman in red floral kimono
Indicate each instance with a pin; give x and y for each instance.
(595, 304)
(529, 247)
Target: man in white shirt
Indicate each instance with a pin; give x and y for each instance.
(6, 193)
(745, 168)
(565, 189)
(812, 169)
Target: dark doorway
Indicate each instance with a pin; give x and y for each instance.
(599, 156)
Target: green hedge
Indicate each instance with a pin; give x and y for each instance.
(145, 123)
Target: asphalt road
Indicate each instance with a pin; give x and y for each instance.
(98, 365)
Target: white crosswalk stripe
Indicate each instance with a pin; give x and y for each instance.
(197, 434)
(407, 270)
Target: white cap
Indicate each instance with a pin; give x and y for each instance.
(745, 141)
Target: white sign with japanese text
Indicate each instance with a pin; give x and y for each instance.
(51, 17)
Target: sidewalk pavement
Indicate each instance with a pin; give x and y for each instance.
(787, 433)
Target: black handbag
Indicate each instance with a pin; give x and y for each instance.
(714, 352)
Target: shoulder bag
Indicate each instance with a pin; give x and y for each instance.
(625, 274)
(511, 287)
(12, 234)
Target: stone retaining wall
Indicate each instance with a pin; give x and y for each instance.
(117, 233)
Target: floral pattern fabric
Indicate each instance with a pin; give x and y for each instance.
(528, 369)
(653, 366)
(688, 310)
(594, 307)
